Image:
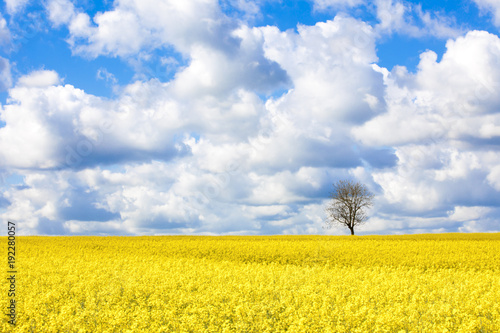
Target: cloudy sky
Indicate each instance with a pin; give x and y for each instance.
(143, 117)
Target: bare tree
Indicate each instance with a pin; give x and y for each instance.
(349, 201)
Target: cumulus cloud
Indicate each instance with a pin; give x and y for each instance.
(222, 57)
(461, 213)
(325, 61)
(51, 199)
(61, 12)
(214, 72)
(224, 152)
(441, 121)
(135, 25)
(64, 127)
(39, 79)
(452, 99)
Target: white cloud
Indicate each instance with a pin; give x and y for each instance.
(5, 74)
(442, 123)
(64, 127)
(35, 201)
(404, 18)
(458, 165)
(494, 177)
(492, 6)
(249, 8)
(61, 11)
(401, 17)
(453, 98)
(214, 72)
(117, 33)
(103, 74)
(222, 57)
(133, 25)
(39, 79)
(461, 213)
(15, 6)
(39, 116)
(322, 5)
(4, 31)
(330, 65)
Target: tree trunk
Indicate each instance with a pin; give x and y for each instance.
(352, 231)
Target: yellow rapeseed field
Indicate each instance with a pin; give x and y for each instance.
(420, 283)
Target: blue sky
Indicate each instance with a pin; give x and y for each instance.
(235, 117)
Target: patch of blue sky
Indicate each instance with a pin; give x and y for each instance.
(3, 100)
(13, 179)
(288, 14)
(94, 7)
(195, 135)
(465, 12)
(400, 50)
(275, 94)
(53, 53)
(39, 46)
(179, 138)
(95, 76)
(119, 168)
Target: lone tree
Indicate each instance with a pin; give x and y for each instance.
(349, 201)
